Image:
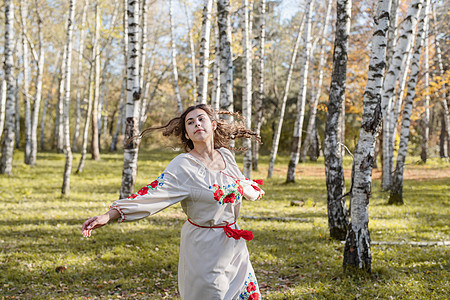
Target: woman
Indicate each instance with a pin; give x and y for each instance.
(214, 261)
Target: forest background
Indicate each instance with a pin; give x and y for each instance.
(56, 101)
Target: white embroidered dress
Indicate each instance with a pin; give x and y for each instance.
(211, 264)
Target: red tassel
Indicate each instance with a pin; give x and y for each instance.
(238, 233)
(258, 181)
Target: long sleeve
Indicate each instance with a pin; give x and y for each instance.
(163, 192)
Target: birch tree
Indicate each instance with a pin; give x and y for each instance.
(357, 252)
(174, 59)
(59, 121)
(259, 112)
(215, 94)
(67, 150)
(396, 196)
(192, 50)
(204, 53)
(2, 106)
(334, 170)
(130, 154)
(10, 114)
(226, 57)
(26, 80)
(426, 115)
(277, 133)
(310, 131)
(95, 151)
(247, 92)
(79, 76)
(301, 100)
(398, 61)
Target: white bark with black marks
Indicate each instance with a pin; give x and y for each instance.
(26, 80)
(130, 154)
(174, 58)
(247, 91)
(301, 100)
(204, 53)
(215, 94)
(426, 104)
(2, 105)
(277, 133)
(95, 151)
(396, 196)
(357, 251)
(10, 111)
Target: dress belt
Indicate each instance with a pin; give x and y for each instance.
(230, 232)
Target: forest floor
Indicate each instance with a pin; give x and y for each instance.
(44, 256)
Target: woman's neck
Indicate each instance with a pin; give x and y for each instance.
(204, 149)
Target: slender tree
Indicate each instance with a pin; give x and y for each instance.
(2, 105)
(192, 50)
(247, 91)
(259, 110)
(130, 154)
(277, 133)
(174, 59)
(396, 196)
(426, 115)
(215, 94)
(59, 121)
(301, 100)
(357, 252)
(204, 52)
(95, 149)
(10, 113)
(334, 170)
(67, 150)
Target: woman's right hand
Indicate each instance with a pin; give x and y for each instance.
(94, 223)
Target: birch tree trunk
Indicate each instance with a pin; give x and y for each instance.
(204, 53)
(226, 57)
(334, 170)
(67, 150)
(26, 81)
(192, 50)
(2, 106)
(397, 63)
(277, 133)
(95, 151)
(426, 116)
(357, 252)
(259, 111)
(10, 113)
(17, 107)
(247, 92)
(79, 76)
(311, 131)
(143, 42)
(301, 100)
(215, 95)
(392, 33)
(396, 196)
(59, 122)
(174, 59)
(132, 108)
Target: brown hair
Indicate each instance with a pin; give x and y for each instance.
(224, 133)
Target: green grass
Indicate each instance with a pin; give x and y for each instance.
(41, 233)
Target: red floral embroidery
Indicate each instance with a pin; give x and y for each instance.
(258, 181)
(240, 189)
(251, 287)
(218, 194)
(229, 198)
(143, 191)
(257, 188)
(133, 196)
(254, 296)
(154, 184)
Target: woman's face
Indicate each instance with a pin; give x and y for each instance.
(199, 127)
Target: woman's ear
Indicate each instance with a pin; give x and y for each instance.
(214, 124)
(186, 136)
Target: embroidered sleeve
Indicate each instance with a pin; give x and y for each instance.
(161, 193)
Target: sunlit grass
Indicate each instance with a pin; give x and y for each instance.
(43, 255)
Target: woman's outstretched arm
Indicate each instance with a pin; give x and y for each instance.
(99, 221)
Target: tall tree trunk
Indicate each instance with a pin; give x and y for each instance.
(59, 122)
(174, 59)
(392, 33)
(215, 94)
(396, 196)
(334, 169)
(17, 115)
(95, 151)
(397, 62)
(192, 50)
(247, 91)
(2, 106)
(226, 57)
(26, 81)
(426, 116)
(259, 111)
(143, 42)
(357, 252)
(132, 108)
(311, 131)
(67, 150)
(443, 150)
(301, 100)
(277, 133)
(76, 133)
(10, 113)
(204, 53)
